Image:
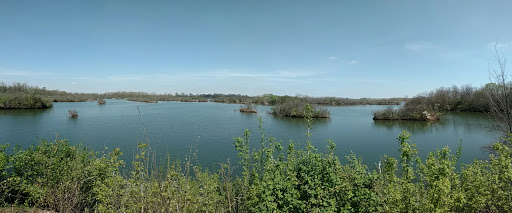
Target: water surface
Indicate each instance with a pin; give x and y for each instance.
(174, 127)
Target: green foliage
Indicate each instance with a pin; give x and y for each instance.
(172, 189)
(56, 175)
(274, 178)
(4, 160)
(23, 101)
(303, 180)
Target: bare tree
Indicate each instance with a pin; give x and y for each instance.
(499, 93)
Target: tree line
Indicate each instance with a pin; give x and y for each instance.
(21, 89)
(465, 98)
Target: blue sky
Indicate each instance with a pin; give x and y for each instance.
(318, 48)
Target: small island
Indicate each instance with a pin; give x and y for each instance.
(248, 108)
(101, 101)
(406, 114)
(73, 113)
(299, 109)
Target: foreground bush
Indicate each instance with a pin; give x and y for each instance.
(274, 178)
(55, 175)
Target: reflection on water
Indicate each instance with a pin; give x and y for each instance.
(301, 122)
(410, 126)
(23, 112)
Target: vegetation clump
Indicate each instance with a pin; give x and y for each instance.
(73, 113)
(297, 108)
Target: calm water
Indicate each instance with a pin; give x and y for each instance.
(173, 127)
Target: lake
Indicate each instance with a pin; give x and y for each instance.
(172, 128)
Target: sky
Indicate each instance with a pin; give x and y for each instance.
(355, 49)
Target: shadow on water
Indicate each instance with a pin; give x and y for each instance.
(23, 112)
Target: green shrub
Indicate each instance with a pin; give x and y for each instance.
(57, 176)
(61, 177)
(23, 101)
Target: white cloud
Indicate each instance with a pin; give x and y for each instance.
(332, 58)
(418, 46)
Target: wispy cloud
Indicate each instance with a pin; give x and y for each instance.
(220, 80)
(500, 44)
(332, 58)
(418, 46)
(352, 61)
(278, 75)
